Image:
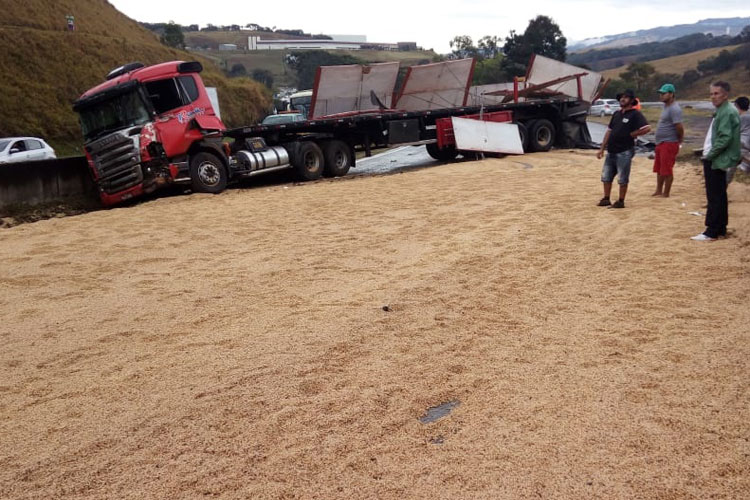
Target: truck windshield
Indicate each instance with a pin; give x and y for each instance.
(121, 111)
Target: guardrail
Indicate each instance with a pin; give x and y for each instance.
(46, 181)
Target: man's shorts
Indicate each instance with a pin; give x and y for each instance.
(665, 156)
(618, 164)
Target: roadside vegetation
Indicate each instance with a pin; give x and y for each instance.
(690, 73)
(46, 67)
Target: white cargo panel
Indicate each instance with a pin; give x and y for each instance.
(543, 69)
(342, 89)
(436, 86)
(486, 137)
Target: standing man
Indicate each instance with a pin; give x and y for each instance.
(619, 140)
(669, 134)
(721, 150)
(743, 104)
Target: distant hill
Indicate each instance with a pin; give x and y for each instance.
(604, 59)
(675, 64)
(45, 67)
(717, 27)
(206, 43)
(738, 76)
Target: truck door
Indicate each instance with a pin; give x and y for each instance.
(173, 99)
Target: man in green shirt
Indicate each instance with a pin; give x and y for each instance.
(721, 150)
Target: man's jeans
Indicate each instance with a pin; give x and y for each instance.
(717, 213)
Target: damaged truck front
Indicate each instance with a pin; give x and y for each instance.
(147, 127)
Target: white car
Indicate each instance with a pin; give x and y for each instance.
(18, 149)
(602, 107)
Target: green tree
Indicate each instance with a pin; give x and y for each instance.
(639, 74)
(489, 71)
(690, 76)
(173, 36)
(489, 46)
(463, 47)
(263, 76)
(237, 70)
(305, 64)
(542, 36)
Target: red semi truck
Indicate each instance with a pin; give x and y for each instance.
(147, 127)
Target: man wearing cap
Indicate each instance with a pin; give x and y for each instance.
(721, 150)
(619, 140)
(669, 134)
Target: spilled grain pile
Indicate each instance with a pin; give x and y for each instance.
(286, 341)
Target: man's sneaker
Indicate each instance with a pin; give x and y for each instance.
(702, 237)
(604, 202)
(618, 204)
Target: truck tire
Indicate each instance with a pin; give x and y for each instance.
(207, 173)
(524, 134)
(445, 154)
(308, 161)
(541, 135)
(338, 158)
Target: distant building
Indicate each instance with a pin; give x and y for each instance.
(256, 43)
(406, 46)
(350, 38)
(227, 46)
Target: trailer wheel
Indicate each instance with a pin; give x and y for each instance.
(308, 161)
(445, 154)
(338, 158)
(523, 132)
(541, 135)
(207, 173)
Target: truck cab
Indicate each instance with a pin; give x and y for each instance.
(146, 126)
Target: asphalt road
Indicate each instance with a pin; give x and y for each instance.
(412, 157)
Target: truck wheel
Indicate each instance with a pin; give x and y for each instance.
(445, 154)
(541, 135)
(523, 132)
(338, 158)
(308, 161)
(207, 173)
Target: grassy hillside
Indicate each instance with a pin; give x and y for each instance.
(273, 60)
(738, 77)
(45, 67)
(675, 64)
(212, 39)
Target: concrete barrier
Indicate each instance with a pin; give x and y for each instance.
(37, 182)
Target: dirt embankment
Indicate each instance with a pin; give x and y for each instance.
(238, 345)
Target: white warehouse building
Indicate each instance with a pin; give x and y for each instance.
(340, 42)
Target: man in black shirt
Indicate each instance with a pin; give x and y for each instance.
(619, 140)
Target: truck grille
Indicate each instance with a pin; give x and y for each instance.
(117, 162)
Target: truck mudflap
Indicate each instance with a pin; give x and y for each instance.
(575, 134)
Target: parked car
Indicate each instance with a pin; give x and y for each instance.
(283, 118)
(18, 149)
(602, 107)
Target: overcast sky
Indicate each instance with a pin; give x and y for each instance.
(432, 24)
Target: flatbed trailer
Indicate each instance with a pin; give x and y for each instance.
(148, 127)
(543, 123)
